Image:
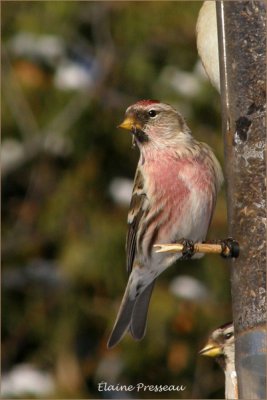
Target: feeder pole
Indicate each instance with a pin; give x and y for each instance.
(242, 49)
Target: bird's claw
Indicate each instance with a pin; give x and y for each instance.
(188, 249)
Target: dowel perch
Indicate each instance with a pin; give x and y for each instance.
(228, 248)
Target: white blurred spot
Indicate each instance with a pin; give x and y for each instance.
(189, 288)
(120, 190)
(12, 152)
(74, 68)
(25, 379)
(72, 76)
(51, 47)
(185, 83)
(57, 144)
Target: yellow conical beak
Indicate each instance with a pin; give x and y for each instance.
(211, 350)
(129, 123)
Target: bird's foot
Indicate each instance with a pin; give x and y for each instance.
(188, 249)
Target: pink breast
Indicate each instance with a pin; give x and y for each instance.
(172, 178)
(171, 183)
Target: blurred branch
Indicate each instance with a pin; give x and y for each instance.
(36, 140)
(16, 100)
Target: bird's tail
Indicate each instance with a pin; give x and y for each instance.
(132, 315)
(139, 315)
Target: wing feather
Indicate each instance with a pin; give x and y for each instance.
(136, 212)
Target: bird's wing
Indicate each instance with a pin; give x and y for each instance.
(136, 212)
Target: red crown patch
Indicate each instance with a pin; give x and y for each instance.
(147, 102)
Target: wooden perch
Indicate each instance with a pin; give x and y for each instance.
(226, 248)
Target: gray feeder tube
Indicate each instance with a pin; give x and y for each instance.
(242, 53)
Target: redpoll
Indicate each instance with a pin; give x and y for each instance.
(174, 194)
(221, 345)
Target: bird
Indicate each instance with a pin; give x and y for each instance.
(221, 345)
(207, 42)
(174, 194)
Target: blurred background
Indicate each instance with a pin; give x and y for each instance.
(69, 71)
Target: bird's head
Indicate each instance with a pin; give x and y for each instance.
(155, 123)
(221, 344)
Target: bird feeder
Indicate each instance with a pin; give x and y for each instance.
(242, 54)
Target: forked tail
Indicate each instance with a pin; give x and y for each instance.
(132, 316)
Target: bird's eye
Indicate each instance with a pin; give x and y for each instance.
(228, 335)
(152, 113)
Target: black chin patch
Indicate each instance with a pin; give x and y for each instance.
(140, 135)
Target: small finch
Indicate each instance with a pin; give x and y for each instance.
(174, 194)
(221, 346)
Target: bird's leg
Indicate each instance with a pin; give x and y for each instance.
(188, 249)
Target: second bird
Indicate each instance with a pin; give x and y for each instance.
(174, 195)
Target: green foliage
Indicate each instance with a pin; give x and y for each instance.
(59, 219)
